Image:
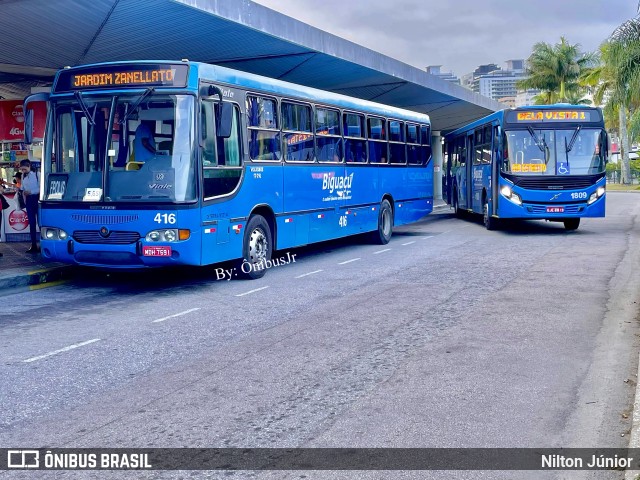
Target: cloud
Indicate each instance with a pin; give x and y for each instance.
(460, 35)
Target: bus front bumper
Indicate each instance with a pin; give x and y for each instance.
(552, 211)
(131, 256)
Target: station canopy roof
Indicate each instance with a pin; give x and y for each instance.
(42, 37)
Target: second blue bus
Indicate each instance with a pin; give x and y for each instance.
(538, 162)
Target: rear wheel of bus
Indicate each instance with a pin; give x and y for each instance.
(382, 235)
(571, 223)
(256, 248)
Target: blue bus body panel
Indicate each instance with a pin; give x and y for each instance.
(536, 203)
(116, 249)
(310, 202)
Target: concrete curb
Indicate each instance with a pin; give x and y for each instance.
(634, 437)
(31, 280)
(440, 206)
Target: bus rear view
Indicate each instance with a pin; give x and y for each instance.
(548, 162)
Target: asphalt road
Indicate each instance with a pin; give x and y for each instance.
(450, 336)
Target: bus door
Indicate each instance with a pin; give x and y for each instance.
(447, 169)
(467, 183)
(481, 167)
(496, 161)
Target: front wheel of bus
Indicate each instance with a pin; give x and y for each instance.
(385, 224)
(571, 223)
(257, 247)
(489, 222)
(456, 206)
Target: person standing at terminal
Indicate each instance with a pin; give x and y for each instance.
(30, 188)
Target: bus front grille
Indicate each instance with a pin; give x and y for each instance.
(564, 182)
(113, 238)
(103, 219)
(543, 208)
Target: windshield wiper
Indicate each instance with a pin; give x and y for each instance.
(542, 145)
(539, 144)
(130, 111)
(85, 110)
(573, 139)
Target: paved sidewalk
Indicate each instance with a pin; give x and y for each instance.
(19, 269)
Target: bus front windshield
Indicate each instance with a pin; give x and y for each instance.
(127, 148)
(571, 151)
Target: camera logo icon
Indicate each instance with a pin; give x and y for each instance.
(23, 459)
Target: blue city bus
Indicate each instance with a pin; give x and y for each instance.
(537, 162)
(150, 164)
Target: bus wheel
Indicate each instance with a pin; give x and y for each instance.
(256, 248)
(456, 208)
(385, 224)
(571, 223)
(489, 222)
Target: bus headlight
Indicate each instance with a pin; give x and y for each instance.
(168, 235)
(51, 233)
(506, 191)
(510, 195)
(596, 195)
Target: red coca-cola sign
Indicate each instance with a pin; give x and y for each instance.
(18, 220)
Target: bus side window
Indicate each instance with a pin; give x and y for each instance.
(297, 132)
(208, 146)
(425, 137)
(355, 145)
(222, 176)
(264, 134)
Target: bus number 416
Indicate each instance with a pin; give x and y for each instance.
(169, 218)
(343, 221)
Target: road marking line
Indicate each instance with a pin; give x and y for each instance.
(65, 349)
(175, 315)
(381, 251)
(251, 291)
(48, 284)
(310, 273)
(348, 261)
(430, 236)
(409, 243)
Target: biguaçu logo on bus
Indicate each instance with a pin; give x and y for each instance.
(340, 185)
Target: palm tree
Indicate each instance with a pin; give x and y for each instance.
(555, 70)
(621, 74)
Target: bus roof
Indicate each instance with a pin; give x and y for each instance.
(258, 83)
(500, 115)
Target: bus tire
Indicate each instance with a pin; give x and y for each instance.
(382, 235)
(490, 222)
(571, 223)
(257, 247)
(456, 207)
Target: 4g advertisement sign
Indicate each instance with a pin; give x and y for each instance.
(12, 120)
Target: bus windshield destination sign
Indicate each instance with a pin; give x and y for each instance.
(122, 76)
(552, 116)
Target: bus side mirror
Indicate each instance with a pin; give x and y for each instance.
(224, 119)
(28, 126)
(28, 114)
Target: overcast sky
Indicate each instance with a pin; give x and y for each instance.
(460, 34)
